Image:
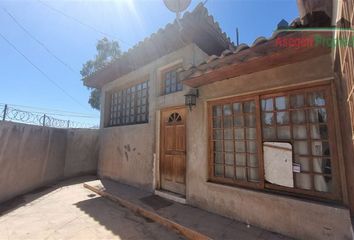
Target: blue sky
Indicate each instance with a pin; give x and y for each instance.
(128, 21)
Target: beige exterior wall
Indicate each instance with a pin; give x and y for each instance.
(287, 215)
(130, 154)
(127, 153)
(41, 155)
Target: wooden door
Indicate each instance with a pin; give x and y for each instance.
(173, 150)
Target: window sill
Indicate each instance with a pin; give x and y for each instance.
(125, 125)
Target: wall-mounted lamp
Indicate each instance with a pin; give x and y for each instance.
(191, 97)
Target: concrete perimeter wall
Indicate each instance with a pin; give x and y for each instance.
(33, 156)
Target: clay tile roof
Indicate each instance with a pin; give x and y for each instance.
(197, 27)
(243, 54)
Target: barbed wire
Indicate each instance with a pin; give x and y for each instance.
(11, 114)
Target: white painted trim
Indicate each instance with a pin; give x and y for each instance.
(170, 196)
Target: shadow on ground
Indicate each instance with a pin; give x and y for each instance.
(122, 222)
(28, 197)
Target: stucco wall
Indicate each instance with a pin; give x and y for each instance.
(290, 216)
(127, 153)
(82, 149)
(32, 156)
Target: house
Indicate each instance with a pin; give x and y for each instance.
(263, 141)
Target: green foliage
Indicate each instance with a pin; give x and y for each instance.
(106, 52)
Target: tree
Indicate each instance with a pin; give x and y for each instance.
(107, 51)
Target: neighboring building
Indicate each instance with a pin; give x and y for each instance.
(263, 144)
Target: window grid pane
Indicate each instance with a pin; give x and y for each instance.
(234, 142)
(172, 82)
(129, 106)
(301, 119)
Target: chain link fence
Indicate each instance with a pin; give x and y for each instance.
(12, 114)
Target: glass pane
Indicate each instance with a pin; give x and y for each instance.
(320, 148)
(241, 159)
(300, 147)
(303, 181)
(229, 158)
(322, 165)
(319, 132)
(267, 104)
(253, 174)
(217, 134)
(252, 160)
(251, 147)
(298, 117)
(305, 163)
(217, 111)
(281, 103)
(218, 146)
(217, 123)
(297, 101)
(179, 86)
(240, 146)
(219, 170)
(269, 133)
(227, 110)
(218, 157)
(268, 118)
(241, 173)
(237, 107)
(238, 121)
(283, 132)
(173, 86)
(250, 120)
(229, 146)
(229, 172)
(299, 132)
(316, 99)
(323, 183)
(282, 118)
(239, 133)
(251, 133)
(228, 133)
(228, 122)
(249, 107)
(167, 89)
(318, 115)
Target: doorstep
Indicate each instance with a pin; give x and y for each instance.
(191, 222)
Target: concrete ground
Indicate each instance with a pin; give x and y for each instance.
(211, 225)
(69, 211)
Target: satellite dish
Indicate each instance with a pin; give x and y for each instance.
(177, 6)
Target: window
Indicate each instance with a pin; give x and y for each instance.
(171, 82)
(130, 105)
(234, 141)
(295, 124)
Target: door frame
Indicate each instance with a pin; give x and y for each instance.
(161, 130)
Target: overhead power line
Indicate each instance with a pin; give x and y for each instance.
(39, 42)
(40, 70)
(84, 24)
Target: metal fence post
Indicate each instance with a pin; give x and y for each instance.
(44, 120)
(5, 111)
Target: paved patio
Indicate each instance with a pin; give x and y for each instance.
(69, 211)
